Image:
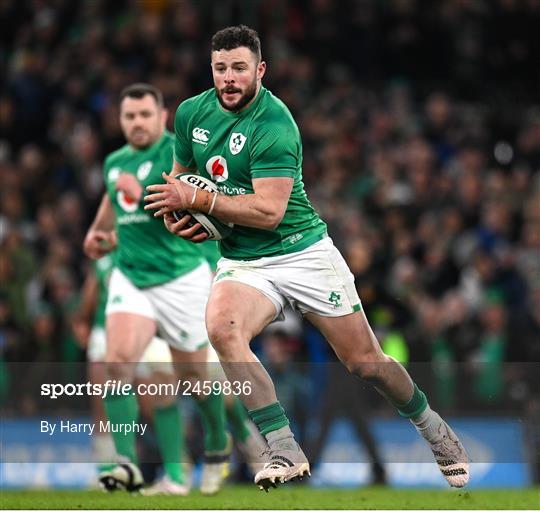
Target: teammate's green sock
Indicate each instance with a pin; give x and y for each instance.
(269, 418)
(122, 409)
(212, 411)
(102, 468)
(238, 418)
(169, 434)
(415, 406)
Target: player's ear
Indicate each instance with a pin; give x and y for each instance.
(164, 116)
(261, 69)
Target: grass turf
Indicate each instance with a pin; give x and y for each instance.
(292, 497)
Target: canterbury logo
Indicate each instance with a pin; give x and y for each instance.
(200, 135)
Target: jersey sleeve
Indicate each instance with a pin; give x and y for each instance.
(275, 151)
(183, 154)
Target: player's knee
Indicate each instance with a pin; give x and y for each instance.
(225, 339)
(119, 365)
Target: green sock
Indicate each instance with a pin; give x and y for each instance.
(238, 418)
(415, 406)
(169, 434)
(212, 411)
(269, 418)
(122, 409)
(105, 467)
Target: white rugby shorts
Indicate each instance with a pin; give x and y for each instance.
(177, 306)
(314, 280)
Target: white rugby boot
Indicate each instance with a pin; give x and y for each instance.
(125, 475)
(216, 469)
(282, 466)
(166, 487)
(451, 457)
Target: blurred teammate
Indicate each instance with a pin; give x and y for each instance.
(158, 284)
(279, 252)
(88, 325)
(154, 367)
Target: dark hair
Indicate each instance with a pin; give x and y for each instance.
(139, 90)
(234, 37)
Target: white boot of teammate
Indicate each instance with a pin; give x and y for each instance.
(216, 470)
(124, 475)
(167, 487)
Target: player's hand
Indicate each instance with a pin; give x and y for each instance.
(168, 197)
(81, 331)
(97, 243)
(178, 228)
(130, 185)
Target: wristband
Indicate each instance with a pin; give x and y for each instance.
(213, 204)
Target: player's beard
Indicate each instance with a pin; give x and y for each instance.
(250, 93)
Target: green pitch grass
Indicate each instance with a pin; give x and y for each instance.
(292, 497)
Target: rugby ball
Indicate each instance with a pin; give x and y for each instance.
(214, 228)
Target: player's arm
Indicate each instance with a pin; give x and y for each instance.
(100, 238)
(82, 320)
(263, 209)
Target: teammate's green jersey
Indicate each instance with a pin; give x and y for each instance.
(211, 253)
(102, 269)
(232, 149)
(147, 253)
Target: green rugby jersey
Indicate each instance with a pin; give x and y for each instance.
(147, 253)
(231, 149)
(102, 269)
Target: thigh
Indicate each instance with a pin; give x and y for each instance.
(239, 307)
(350, 336)
(317, 280)
(130, 322)
(254, 275)
(128, 335)
(180, 307)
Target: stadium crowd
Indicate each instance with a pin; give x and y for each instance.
(421, 151)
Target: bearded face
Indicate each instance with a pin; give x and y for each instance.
(237, 77)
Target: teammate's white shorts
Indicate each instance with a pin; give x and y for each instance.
(156, 357)
(177, 306)
(315, 280)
